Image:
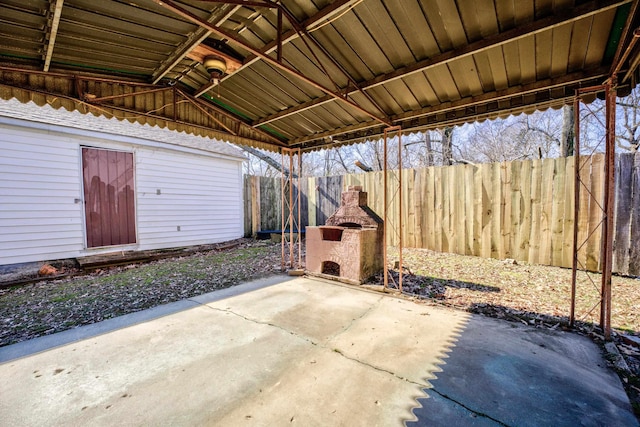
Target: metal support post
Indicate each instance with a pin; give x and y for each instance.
(392, 230)
(606, 204)
(576, 208)
(609, 195)
(291, 241)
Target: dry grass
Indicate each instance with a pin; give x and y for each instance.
(44, 308)
(482, 285)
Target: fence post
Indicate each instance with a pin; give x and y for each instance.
(255, 205)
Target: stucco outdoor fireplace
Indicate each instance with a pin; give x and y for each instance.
(349, 245)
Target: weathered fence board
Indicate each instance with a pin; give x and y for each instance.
(525, 218)
(448, 194)
(505, 204)
(270, 204)
(583, 209)
(459, 211)
(312, 201)
(516, 207)
(595, 212)
(430, 201)
(634, 249)
(469, 206)
(418, 202)
(569, 208)
(409, 220)
(304, 203)
(487, 196)
(497, 247)
(557, 211)
(621, 241)
(536, 212)
(522, 210)
(546, 205)
(328, 197)
(248, 204)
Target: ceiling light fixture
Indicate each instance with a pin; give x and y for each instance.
(216, 67)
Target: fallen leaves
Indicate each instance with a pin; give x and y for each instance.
(507, 289)
(534, 295)
(44, 308)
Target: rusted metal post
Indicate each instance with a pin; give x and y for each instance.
(609, 195)
(576, 206)
(288, 205)
(291, 225)
(387, 229)
(282, 208)
(385, 216)
(400, 219)
(299, 174)
(607, 204)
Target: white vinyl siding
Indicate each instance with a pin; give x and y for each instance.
(39, 185)
(201, 196)
(41, 213)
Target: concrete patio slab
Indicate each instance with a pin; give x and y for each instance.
(313, 353)
(503, 373)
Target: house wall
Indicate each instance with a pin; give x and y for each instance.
(201, 195)
(41, 194)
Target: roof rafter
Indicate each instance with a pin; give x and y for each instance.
(335, 8)
(198, 36)
(626, 32)
(542, 87)
(544, 24)
(171, 5)
(75, 87)
(53, 21)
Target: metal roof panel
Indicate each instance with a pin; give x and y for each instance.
(424, 63)
(410, 21)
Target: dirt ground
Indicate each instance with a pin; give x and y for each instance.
(531, 294)
(505, 287)
(535, 295)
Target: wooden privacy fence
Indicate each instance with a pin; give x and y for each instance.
(522, 210)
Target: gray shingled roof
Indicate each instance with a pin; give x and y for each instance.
(74, 119)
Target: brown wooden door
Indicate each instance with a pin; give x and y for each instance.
(108, 197)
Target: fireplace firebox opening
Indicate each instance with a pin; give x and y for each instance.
(331, 234)
(331, 268)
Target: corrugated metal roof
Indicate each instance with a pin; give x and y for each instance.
(349, 68)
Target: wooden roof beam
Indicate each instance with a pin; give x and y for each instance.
(544, 24)
(53, 21)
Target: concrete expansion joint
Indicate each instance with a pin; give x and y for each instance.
(379, 369)
(354, 320)
(456, 402)
(323, 346)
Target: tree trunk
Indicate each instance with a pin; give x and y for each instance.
(428, 161)
(447, 152)
(567, 137)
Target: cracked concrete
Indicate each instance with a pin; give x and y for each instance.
(304, 352)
